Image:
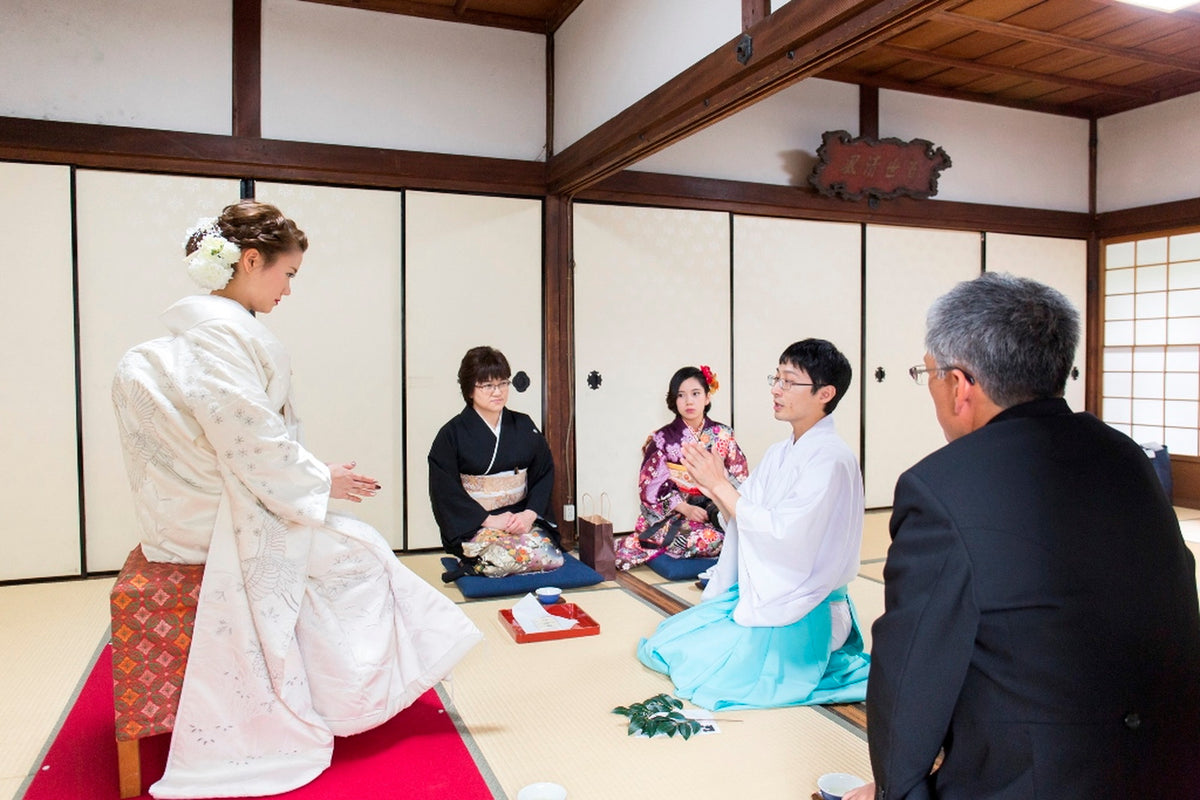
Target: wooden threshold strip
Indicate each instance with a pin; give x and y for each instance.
(854, 713)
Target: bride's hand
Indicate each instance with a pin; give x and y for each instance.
(348, 485)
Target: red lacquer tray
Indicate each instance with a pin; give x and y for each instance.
(586, 627)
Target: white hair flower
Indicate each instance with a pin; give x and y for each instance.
(211, 265)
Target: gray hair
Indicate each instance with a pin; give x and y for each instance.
(1015, 336)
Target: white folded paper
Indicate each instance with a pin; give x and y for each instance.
(533, 617)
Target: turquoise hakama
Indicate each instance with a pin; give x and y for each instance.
(718, 664)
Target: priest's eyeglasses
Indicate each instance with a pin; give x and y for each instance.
(786, 384)
(492, 388)
(920, 373)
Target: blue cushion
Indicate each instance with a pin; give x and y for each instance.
(572, 574)
(680, 569)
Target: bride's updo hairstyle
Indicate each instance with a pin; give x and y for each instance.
(251, 224)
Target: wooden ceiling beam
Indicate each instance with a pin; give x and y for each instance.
(445, 13)
(879, 81)
(1021, 33)
(560, 14)
(997, 69)
(800, 39)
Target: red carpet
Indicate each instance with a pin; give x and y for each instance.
(418, 754)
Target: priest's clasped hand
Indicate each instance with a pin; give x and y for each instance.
(348, 485)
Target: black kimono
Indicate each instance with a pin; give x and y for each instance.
(465, 446)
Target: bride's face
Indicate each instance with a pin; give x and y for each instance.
(267, 283)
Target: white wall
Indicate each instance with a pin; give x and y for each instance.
(998, 155)
(773, 141)
(165, 64)
(347, 76)
(610, 54)
(1149, 155)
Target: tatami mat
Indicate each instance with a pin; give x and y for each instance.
(49, 634)
(542, 712)
(875, 535)
(872, 571)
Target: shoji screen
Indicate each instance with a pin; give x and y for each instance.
(40, 535)
(1060, 263)
(131, 231)
(341, 326)
(651, 295)
(472, 276)
(792, 279)
(907, 269)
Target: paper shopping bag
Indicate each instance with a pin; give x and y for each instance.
(596, 539)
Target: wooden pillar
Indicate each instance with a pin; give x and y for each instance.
(868, 111)
(754, 11)
(247, 68)
(558, 394)
(1093, 314)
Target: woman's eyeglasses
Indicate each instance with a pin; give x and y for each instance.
(492, 388)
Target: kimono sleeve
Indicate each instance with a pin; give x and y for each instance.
(736, 467)
(541, 477)
(922, 645)
(655, 489)
(458, 515)
(225, 391)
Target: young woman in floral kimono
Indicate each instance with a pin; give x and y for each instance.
(676, 519)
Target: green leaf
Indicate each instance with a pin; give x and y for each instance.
(686, 732)
(621, 710)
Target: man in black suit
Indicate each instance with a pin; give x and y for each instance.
(1040, 626)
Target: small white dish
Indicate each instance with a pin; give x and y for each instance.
(548, 595)
(542, 791)
(833, 785)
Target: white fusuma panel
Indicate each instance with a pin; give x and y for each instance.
(1060, 263)
(40, 490)
(131, 237)
(341, 326)
(651, 296)
(907, 269)
(472, 276)
(792, 280)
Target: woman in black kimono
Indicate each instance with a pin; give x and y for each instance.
(490, 477)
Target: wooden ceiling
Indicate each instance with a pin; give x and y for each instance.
(1081, 58)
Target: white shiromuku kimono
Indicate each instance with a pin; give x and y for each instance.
(308, 627)
(775, 626)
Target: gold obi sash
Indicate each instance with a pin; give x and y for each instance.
(682, 479)
(496, 491)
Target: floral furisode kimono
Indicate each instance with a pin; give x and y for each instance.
(664, 483)
(475, 471)
(307, 627)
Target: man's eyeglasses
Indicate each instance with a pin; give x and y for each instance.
(492, 388)
(786, 384)
(920, 373)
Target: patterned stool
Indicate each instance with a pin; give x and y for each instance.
(153, 611)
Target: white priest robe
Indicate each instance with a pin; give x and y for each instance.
(775, 626)
(307, 625)
(797, 532)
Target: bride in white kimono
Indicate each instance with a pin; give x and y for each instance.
(307, 627)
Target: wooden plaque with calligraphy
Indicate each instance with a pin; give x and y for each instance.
(877, 169)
